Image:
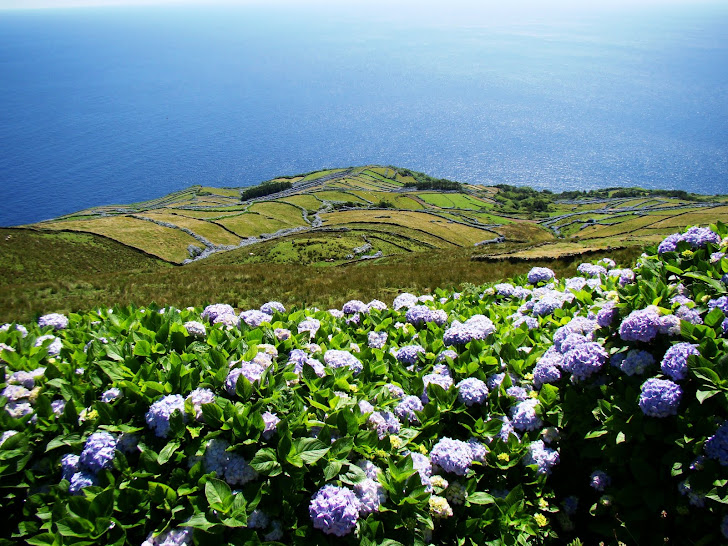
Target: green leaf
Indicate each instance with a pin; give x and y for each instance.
(199, 521)
(595, 434)
(43, 539)
(265, 462)
(167, 452)
(218, 494)
(142, 348)
(73, 440)
(213, 415)
(309, 449)
(480, 498)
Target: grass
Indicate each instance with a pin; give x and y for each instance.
(249, 224)
(211, 231)
(282, 212)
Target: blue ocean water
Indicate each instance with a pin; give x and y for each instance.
(117, 105)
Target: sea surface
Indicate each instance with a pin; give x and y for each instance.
(117, 105)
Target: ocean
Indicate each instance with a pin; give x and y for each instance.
(118, 105)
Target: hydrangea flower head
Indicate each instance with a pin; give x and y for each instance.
(584, 360)
(110, 395)
(195, 329)
(452, 456)
(337, 359)
(98, 451)
(81, 480)
(404, 300)
(660, 397)
(371, 496)
(640, 325)
(472, 391)
(524, 417)
(255, 318)
(310, 325)
(377, 340)
(591, 270)
(633, 362)
(476, 327)
(599, 480)
(212, 312)
(334, 510)
(421, 314)
(540, 274)
(271, 420)
(197, 398)
(384, 423)
(271, 307)
(54, 348)
(543, 457)
(675, 362)
(716, 447)
(409, 353)
(445, 381)
(56, 320)
(407, 407)
(160, 411)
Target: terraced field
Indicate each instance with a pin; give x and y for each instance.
(339, 216)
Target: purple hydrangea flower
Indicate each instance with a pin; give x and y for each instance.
(545, 372)
(195, 329)
(688, 315)
(334, 510)
(181, 536)
(547, 305)
(575, 284)
(54, 348)
(584, 360)
(406, 409)
(98, 451)
(310, 325)
(56, 320)
(572, 341)
(641, 325)
(452, 456)
(395, 391)
(607, 314)
(445, 381)
(669, 244)
(716, 447)
(599, 480)
(633, 362)
(404, 300)
(160, 411)
(377, 305)
(421, 314)
(384, 422)
(23, 378)
(540, 274)
(721, 303)
(337, 359)
(197, 398)
(271, 420)
(212, 312)
(523, 415)
(698, 237)
(69, 465)
(371, 496)
(570, 504)
(519, 319)
(472, 391)
(591, 270)
(58, 406)
(110, 395)
(660, 397)
(255, 318)
(669, 325)
(504, 289)
(675, 361)
(354, 306)
(408, 354)
(519, 393)
(15, 393)
(258, 519)
(447, 353)
(271, 307)
(543, 457)
(476, 327)
(79, 481)
(377, 340)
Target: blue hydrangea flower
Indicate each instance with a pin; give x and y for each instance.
(371, 496)
(720, 303)
(519, 319)
(423, 466)
(545, 372)
(271, 421)
(310, 325)
(255, 318)
(98, 451)
(271, 307)
(70, 464)
(55, 346)
(212, 312)
(504, 289)
(452, 456)
(406, 409)
(197, 398)
(257, 519)
(352, 307)
(404, 300)
(599, 480)
(476, 327)
(478, 450)
(716, 447)
(110, 395)
(445, 381)
(421, 314)
(698, 237)
(444, 355)
(584, 360)
(523, 415)
(660, 397)
(56, 320)
(519, 393)
(334, 510)
(384, 422)
(607, 314)
(543, 457)
(338, 359)
(633, 362)
(160, 411)
(675, 362)
(591, 270)
(472, 391)
(195, 329)
(79, 481)
(540, 274)
(58, 406)
(408, 353)
(689, 315)
(669, 244)
(377, 340)
(641, 325)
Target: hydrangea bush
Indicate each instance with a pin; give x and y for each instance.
(534, 411)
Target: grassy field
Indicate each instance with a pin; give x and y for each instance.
(110, 254)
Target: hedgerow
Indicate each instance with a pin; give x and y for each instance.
(536, 411)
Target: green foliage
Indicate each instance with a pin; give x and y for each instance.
(268, 188)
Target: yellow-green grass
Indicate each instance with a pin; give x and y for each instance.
(283, 212)
(250, 224)
(522, 231)
(383, 175)
(487, 218)
(225, 192)
(205, 214)
(309, 202)
(409, 238)
(437, 199)
(339, 196)
(456, 233)
(320, 174)
(400, 201)
(701, 216)
(166, 243)
(624, 227)
(210, 231)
